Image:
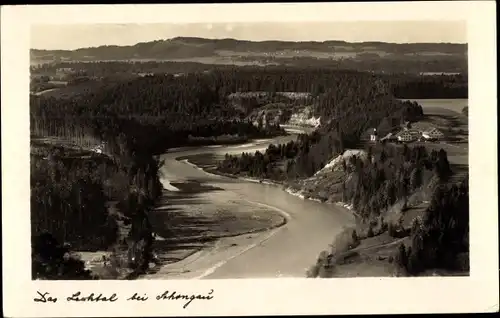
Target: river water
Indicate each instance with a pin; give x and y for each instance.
(291, 249)
(312, 226)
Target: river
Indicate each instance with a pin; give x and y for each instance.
(287, 251)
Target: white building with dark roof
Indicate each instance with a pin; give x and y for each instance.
(433, 134)
(374, 135)
(408, 135)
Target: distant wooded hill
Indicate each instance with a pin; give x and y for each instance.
(190, 47)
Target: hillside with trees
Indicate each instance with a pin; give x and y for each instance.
(389, 178)
(197, 47)
(365, 56)
(431, 86)
(136, 117)
(71, 190)
(358, 102)
(388, 190)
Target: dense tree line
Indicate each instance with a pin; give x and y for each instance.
(112, 68)
(357, 104)
(441, 239)
(183, 105)
(435, 86)
(68, 201)
(372, 62)
(70, 192)
(277, 162)
(390, 174)
(406, 84)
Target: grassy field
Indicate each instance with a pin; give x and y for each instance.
(442, 106)
(74, 90)
(446, 115)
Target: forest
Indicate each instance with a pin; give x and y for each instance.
(392, 174)
(405, 83)
(71, 190)
(377, 64)
(276, 163)
(387, 186)
(114, 68)
(431, 86)
(441, 239)
(355, 106)
(138, 118)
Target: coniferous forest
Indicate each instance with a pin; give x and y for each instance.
(139, 117)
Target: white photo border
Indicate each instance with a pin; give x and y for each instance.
(477, 293)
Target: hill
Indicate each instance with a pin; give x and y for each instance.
(231, 51)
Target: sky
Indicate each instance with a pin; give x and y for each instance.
(73, 36)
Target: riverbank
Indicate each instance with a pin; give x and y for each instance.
(206, 163)
(279, 252)
(198, 222)
(370, 256)
(369, 252)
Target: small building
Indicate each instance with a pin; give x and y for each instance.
(374, 135)
(408, 135)
(433, 134)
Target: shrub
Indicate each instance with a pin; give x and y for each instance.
(313, 271)
(402, 257)
(50, 260)
(370, 232)
(317, 268)
(355, 237)
(385, 227)
(391, 229)
(345, 240)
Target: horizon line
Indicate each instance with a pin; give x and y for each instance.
(252, 41)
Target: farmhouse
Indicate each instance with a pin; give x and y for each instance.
(408, 135)
(433, 134)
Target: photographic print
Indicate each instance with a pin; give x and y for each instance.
(201, 150)
(217, 146)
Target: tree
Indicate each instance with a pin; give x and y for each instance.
(402, 257)
(442, 166)
(50, 260)
(355, 237)
(416, 177)
(385, 127)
